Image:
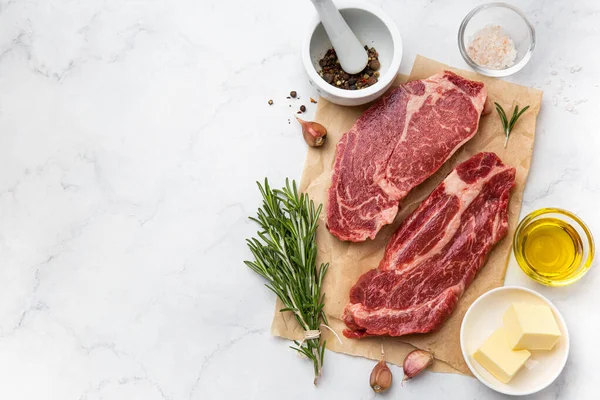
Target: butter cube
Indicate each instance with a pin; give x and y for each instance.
(496, 356)
(531, 327)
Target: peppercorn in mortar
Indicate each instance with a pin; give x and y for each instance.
(332, 72)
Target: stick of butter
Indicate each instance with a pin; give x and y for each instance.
(496, 356)
(531, 327)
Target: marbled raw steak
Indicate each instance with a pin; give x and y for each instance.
(435, 253)
(394, 146)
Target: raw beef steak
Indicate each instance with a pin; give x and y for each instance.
(435, 254)
(395, 145)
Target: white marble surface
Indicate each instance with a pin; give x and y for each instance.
(131, 134)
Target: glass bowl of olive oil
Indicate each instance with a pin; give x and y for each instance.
(553, 246)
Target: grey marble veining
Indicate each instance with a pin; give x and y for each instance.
(131, 135)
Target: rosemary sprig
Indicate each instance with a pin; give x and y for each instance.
(285, 255)
(508, 125)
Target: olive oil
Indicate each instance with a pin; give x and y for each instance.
(552, 248)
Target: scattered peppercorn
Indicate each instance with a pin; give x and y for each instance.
(299, 112)
(332, 72)
(302, 108)
(270, 102)
(293, 94)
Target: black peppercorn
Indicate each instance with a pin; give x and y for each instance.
(332, 72)
(374, 65)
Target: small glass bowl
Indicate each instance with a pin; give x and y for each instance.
(514, 22)
(582, 230)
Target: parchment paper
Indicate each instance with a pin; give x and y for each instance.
(350, 260)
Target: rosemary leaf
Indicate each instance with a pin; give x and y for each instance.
(285, 254)
(506, 125)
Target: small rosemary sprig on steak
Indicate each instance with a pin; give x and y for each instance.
(285, 255)
(506, 124)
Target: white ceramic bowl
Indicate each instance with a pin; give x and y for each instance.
(374, 29)
(485, 316)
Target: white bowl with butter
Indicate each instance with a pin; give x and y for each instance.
(486, 316)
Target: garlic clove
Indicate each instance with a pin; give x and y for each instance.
(313, 132)
(416, 362)
(381, 377)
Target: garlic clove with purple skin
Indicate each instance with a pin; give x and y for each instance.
(313, 132)
(381, 377)
(416, 362)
